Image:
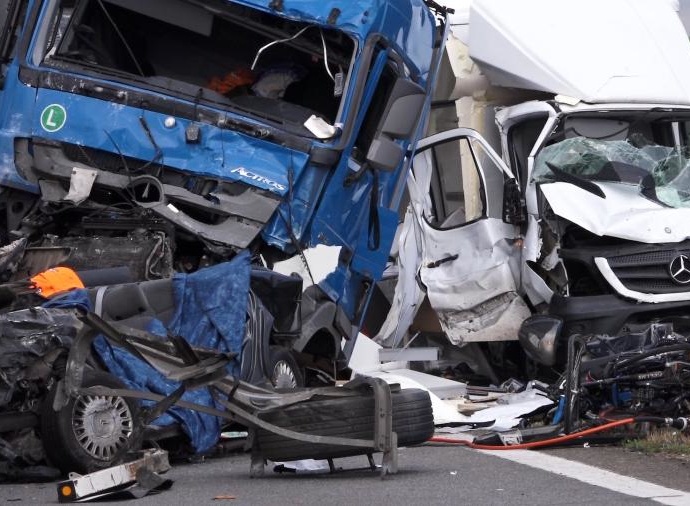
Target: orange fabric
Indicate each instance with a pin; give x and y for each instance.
(56, 280)
(232, 80)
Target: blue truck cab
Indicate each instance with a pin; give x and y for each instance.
(192, 130)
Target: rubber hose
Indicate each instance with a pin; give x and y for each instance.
(677, 423)
(536, 444)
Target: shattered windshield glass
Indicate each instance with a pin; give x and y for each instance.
(225, 54)
(661, 172)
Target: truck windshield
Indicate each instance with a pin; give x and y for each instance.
(661, 172)
(213, 52)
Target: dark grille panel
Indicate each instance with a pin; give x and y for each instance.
(103, 160)
(656, 286)
(657, 258)
(648, 272)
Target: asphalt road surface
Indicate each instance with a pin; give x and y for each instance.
(428, 475)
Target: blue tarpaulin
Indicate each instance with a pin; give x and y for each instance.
(210, 312)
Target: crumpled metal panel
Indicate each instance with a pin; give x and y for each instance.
(495, 319)
(474, 295)
(224, 154)
(644, 188)
(624, 213)
(26, 337)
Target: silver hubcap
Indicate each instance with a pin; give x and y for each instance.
(101, 424)
(283, 375)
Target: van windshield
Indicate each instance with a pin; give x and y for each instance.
(220, 53)
(661, 172)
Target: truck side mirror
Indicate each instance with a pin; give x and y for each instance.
(398, 122)
(513, 203)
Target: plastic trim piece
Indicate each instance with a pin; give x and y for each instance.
(606, 271)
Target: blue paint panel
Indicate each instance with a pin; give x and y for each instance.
(371, 260)
(222, 154)
(15, 118)
(293, 214)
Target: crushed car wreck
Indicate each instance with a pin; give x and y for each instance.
(169, 153)
(560, 205)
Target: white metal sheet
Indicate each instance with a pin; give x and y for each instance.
(612, 51)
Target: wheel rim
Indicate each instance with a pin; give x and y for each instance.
(102, 425)
(283, 375)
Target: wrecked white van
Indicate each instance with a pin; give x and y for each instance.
(581, 225)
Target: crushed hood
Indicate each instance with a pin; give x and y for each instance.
(592, 50)
(624, 213)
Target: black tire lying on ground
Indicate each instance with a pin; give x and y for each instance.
(351, 417)
(90, 432)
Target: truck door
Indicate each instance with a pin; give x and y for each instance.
(469, 254)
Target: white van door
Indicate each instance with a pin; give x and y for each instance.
(469, 257)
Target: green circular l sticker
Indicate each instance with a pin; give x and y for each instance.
(53, 118)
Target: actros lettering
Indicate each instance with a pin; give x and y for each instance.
(244, 173)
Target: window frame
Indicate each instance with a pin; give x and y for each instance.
(435, 187)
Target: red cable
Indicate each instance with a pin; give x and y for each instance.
(535, 444)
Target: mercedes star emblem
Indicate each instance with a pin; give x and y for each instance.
(679, 269)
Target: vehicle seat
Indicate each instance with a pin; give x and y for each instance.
(134, 303)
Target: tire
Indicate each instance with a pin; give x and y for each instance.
(69, 437)
(283, 370)
(353, 417)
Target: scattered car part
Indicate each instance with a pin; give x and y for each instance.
(572, 401)
(22, 458)
(611, 381)
(137, 477)
(680, 423)
(536, 444)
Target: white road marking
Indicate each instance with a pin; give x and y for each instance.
(595, 476)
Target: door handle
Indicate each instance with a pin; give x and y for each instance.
(432, 265)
